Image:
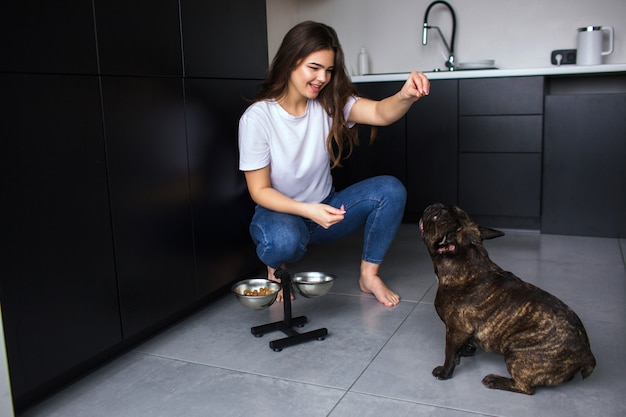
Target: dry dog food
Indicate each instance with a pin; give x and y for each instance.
(260, 291)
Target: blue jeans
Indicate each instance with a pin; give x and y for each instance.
(376, 203)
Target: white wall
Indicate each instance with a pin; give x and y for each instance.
(516, 33)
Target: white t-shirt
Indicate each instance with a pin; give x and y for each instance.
(293, 147)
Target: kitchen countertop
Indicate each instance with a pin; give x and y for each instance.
(491, 73)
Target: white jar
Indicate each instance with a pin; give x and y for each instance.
(364, 62)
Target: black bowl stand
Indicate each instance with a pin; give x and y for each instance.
(287, 324)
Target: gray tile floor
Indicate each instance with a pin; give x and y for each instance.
(376, 361)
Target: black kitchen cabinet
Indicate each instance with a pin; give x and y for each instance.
(222, 208)
(58, 286)
(384, 156)
(584, 164)
(150, 202)
(224, 39)
(500, 145)
(125, 209)
(516, 166)
(432, 150)
(139, 37)
(40, 36)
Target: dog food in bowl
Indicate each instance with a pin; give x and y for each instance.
(256, 293)
(260, 291)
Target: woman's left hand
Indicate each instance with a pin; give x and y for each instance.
(416, 86)
(392, 108)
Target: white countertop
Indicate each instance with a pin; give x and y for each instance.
(490, 73)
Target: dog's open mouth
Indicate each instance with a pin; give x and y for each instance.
(446, 247)
(443, 246)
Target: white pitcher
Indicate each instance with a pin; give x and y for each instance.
(590, 48)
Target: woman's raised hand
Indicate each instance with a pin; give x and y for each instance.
(416, 86)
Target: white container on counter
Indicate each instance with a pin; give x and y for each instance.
(364, 62)
(590, 44)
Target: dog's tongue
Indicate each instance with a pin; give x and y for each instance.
(446, 248)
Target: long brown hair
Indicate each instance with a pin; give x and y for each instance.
(301, 41)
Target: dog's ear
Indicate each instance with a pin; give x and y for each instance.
(489, 233)
(467, 232)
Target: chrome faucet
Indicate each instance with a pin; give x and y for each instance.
(450, 62)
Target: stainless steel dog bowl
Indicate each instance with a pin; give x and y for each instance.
(256, 302)
(312, 284)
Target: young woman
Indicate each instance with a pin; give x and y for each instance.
(294, 133)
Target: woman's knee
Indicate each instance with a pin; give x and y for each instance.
(392, 188)
(291, 246)
(279, 241)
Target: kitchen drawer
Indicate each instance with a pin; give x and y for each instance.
(520, 133)
(505, 185)
(493, 96)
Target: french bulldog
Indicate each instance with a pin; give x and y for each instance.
(543, 341)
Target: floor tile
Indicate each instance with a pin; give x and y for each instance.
(220, 336)
(586, 273)
(143, 385)
(593, 291)
(359, 405)
(579, 249)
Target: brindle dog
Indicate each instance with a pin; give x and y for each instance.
(543, 341)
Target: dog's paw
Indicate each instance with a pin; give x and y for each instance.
(496, 382)
(507, 384)
(441, 373)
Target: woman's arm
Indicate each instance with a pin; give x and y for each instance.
(262, 193)
(390, 109)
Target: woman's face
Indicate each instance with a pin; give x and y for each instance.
(312, 74)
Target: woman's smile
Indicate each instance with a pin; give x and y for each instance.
(316, 87)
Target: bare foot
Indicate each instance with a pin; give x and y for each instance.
(370, 283)
(271, 277)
